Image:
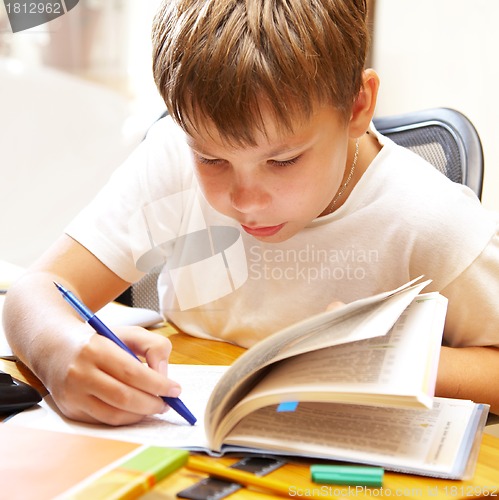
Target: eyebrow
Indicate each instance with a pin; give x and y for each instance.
(279, 150)
(197, 148)
(286, 149)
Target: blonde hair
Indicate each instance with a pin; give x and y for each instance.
(221, 59)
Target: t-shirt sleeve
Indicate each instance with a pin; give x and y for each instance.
(473, 309)
(112, 226)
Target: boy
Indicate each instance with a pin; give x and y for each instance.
(264, 198)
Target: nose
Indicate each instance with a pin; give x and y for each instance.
(249, 195)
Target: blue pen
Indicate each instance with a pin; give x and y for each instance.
(102, 329)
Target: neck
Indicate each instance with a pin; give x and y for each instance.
(346, 182)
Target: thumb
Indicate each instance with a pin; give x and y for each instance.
(336, 304)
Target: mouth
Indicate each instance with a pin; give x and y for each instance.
(262, 231)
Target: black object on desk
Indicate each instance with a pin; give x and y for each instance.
(15, 395)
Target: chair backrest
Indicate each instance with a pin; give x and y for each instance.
(442, 136)
(144, 293)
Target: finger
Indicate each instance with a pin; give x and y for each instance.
(118, 364)
(96, 411)
(119, 396)
(155, 348)
(87, 383)
(84, 405)
(336, 304)
(103, 413)
(132, 373)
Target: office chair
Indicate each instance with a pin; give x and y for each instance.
(444, 137)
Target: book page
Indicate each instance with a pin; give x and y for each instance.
(421, 441)
(365, 318)
(398, 369)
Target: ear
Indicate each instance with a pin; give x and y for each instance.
(365, 104)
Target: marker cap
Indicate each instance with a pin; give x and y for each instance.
(351, 475)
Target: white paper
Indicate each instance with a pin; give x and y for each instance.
(168, 429)
(114, 314)
(8, 274)
(5, 350)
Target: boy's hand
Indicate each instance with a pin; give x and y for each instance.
(99, 382)
(334, 305)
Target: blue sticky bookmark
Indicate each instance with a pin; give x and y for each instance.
(287, 406)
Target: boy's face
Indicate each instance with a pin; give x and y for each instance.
(276, 188)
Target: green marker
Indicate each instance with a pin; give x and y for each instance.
(351, 475)
(132, 477)
(156, 461)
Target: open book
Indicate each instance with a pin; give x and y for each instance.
(359, 382)
(354, 384)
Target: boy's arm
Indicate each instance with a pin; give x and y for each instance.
(469, 366)
(470, 373)
(90, 378)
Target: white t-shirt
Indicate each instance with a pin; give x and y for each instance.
(403, 219)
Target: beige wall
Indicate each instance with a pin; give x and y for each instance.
(442, 53)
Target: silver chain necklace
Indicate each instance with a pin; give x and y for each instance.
(349, 178)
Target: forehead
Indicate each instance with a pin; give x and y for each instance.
(271, 135)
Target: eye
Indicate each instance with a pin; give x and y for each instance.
(209, 161)
(285, 163)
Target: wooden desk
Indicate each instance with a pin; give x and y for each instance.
(198, 351)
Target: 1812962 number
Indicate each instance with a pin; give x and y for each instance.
(34, 8)
(471, 491)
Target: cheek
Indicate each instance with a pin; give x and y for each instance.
(296, 199)
(214, 190)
